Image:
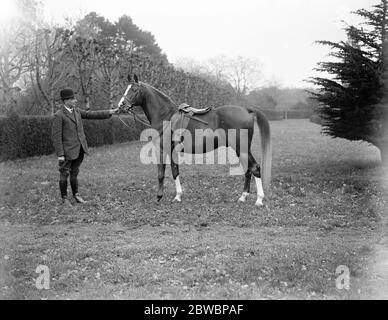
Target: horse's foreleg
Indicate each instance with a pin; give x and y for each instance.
(161, 171)
(178, 186)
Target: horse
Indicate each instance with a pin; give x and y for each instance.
(161, 109)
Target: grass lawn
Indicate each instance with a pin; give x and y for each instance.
(325, 209)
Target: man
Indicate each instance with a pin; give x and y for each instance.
(70, 142)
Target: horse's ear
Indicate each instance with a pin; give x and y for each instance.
(129, 77)
(136, 78)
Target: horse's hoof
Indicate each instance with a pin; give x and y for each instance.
(259, 204)
(244, 196)
(177, 199)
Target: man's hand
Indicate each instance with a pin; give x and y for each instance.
(61, 161)
(114, 111)
(123, 105)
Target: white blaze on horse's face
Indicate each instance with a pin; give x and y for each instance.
(125, 95)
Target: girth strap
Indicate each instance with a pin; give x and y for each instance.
(190, 115)
(180, 120)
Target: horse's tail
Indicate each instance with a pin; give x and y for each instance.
(266, 145)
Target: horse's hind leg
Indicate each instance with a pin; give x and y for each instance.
(175, 175)
(255, 169)
(247, 186)
(245, 161)
(161, 171)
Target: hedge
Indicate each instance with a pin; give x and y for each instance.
(315, 118)
(298, 114)
(290, 114)
(273, 114)
(27, 136)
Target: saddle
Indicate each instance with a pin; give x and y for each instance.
(180, 120)
(192, 111)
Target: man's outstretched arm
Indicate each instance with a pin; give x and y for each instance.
(100, 114)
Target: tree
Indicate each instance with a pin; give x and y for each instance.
(103, 51)
(143, 41)
(113, 57)
(98, 52)
(47, 64)
(192, 66)
(82, 53)
(353, 100)
(218, 67)
(13, 63)
(241, 72)
(15, 41)
(267, 98)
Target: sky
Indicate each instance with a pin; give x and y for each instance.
(281, 34)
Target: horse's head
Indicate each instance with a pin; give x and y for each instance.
(132, 96)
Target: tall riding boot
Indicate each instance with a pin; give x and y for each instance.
(74, 185)
(74, 189)
(63, 188)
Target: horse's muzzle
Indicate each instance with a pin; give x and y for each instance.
(125, 107)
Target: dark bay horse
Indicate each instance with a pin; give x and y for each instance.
(160, 109)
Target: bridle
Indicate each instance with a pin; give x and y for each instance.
(127, 108)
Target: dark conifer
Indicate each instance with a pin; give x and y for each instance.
(353, 99)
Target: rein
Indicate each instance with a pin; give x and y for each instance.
(137, 119)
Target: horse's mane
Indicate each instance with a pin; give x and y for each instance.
(159, 92)
(169, 108)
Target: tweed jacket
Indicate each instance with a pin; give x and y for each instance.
(68, 133)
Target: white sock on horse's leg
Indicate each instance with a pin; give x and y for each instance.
(244, 196)
(260, 192)
(178, 187)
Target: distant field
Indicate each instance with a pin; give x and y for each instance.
(324, 209)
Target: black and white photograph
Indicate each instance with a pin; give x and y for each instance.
(215, 153)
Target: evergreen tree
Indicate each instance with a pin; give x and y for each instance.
(353, 101)
(144, 41)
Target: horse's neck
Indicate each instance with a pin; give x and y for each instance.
(157, 106)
